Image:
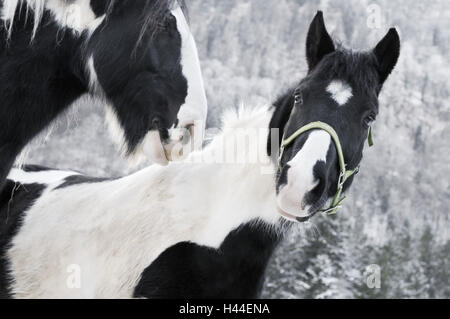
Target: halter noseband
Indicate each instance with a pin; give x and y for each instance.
(344, 173)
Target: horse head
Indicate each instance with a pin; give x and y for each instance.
(326, 119)
(142, 59)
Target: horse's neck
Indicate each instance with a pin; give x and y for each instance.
(211, 198)
(229, 207)
(46, 77)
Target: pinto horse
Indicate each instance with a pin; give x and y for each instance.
(202, 228)
(138, 56)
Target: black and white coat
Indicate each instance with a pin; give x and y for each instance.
(186, 230)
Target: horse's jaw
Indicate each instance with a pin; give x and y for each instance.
(154, 149)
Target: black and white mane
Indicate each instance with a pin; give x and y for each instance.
(139, 57)
(154, 12)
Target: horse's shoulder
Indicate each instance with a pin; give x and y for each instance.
(21, 189)
(15, 200)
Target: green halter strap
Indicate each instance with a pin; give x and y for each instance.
(344, 173)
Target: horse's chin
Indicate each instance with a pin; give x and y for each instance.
(180, 144)
(285, 215)
(154, 150)
(293, 218)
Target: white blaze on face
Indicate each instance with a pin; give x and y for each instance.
(300, 176)
(195, 108)
(340, 91)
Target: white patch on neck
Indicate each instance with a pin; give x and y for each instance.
(94, 85)
(300, 176)
(340, 91)
(195, 107)
(115, 129)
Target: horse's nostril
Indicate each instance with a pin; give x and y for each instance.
(164, 134)
(186, 137)
(303, 204)
(315, 194)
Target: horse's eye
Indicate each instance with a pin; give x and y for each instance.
(170, 19)
(298, 98)
(165, 23)
(368, 120)
(162, 26)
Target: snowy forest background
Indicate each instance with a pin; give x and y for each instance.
(397, 214)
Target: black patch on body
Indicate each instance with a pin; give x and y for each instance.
(35, 168)
(235, 270)
(76, 179)
(80, 179)
(12, 210)
(72, 180)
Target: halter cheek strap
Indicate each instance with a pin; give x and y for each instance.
(370, 137)
(344, 174)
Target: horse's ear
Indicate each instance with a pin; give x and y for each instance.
(318, 41)
(387, 52)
